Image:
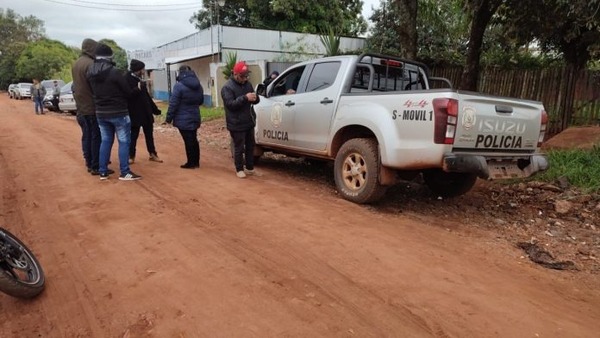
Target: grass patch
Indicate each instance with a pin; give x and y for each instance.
(207, 113)
(580, 167)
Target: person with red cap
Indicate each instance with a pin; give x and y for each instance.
(238, 97)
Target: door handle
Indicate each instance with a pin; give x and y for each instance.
(289, 104)
(326, 101)
(504, 109)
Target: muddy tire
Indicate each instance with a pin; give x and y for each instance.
(448, 185)
(21, 274)
(356, 171)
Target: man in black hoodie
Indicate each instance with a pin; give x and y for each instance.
(111, 92)
(141, 111)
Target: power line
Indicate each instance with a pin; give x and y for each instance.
(143, 8)
(128, 5)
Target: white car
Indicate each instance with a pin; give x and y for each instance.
(23, 90)
(67, 101)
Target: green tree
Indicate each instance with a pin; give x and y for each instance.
(311, 16)
(570, 28)
(16, 32)
(441, 29)
(44, 59)
(481, 12)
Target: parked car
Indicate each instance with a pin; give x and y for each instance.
(67, 101)
(49, 85)
(23, 90)
(12, 90)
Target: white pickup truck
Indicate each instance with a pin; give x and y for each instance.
(378, 119)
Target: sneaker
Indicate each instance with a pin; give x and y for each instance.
(130, 177)
(131, 160)
(252, 172)
(103, 176)
(96, 172)
(189, 166)
(155, 158)
(240, 174)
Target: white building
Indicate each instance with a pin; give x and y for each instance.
(207, 51)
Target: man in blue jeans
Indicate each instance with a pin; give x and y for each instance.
(111, 92)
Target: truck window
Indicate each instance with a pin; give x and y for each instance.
(362, 77)
(323, 75)
(288, 83)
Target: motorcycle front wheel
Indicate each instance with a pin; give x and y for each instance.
(21, 274)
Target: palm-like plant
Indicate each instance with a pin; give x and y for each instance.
(231, 59)
(331, 41)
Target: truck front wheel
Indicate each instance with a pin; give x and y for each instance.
(356, 171)
(448, 185)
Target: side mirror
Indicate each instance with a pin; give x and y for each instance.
(261, 89)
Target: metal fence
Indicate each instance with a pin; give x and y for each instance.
(570, 97)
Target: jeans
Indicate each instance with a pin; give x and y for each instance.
(148, 135)
(192, 147)
(90, 140)
(108, 127)
(243, 144)
(39, 103)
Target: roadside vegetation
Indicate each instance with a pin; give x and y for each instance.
(207, 113)
(581, 168)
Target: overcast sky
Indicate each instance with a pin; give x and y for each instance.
(133, 24)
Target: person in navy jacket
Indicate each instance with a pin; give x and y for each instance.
(184, 113)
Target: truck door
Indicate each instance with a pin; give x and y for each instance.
(275, 113)
(314, 104)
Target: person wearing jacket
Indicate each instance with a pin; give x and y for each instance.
(141, 111)
(37, 96)
(111, 93)
(86, 112)
(184, 113)
(238, 97)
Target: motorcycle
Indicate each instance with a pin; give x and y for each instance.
(21, 274)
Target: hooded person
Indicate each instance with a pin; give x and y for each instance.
(184, 113)
(86, 111)
(111, 94)
(141, 111)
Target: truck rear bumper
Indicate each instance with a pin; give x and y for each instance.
(495, 169)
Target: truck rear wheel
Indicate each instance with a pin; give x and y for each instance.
(356, 171)
(449, 185)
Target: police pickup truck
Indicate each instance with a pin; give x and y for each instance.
(378, 119)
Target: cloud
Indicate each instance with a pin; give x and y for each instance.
(70, 21)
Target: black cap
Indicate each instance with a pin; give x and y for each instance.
(136, 65)
(103, 51)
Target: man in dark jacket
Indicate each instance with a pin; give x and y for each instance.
(238, 97)
(111, 92)
(141, 111)
(86, 113)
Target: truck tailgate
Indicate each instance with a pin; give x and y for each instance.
(497, 124)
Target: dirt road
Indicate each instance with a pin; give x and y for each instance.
(201, 253)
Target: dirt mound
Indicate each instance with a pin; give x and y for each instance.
(575, 137)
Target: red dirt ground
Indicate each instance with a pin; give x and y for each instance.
(201, 253)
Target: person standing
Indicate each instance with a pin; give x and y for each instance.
(238, 97)
(141, 111)
(37, 96)
(271, 77)
(55, 96)
(111, 93)
(184, 113)
(86, 111)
